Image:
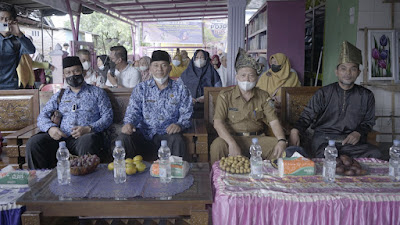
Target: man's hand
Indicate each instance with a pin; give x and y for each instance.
(294, 138)
(234, 149)
(14, 29)
(278, 149)
(56, 133)
(128, 129)
(112, 79)
(353, 138)
(173, 129)
(79, 131)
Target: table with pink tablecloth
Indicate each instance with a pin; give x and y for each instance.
(372, 199)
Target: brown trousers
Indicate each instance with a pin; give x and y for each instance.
(219, 148)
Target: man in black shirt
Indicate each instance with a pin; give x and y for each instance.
(342, 111)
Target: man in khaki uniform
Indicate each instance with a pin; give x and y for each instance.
(240, 114)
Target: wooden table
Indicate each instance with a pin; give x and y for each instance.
(191, 205)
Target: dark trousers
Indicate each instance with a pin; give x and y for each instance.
(136, 144)
(359, 150)
(41, 148)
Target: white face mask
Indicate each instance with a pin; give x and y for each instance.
(160, 80)
(200, 63)
(143, 68)
(101, 67)
(176, 62)
(246, 86)
(86, 65)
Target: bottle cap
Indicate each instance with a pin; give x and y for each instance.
(396, 142)
(62, 144)
(254, 140)
(164, 143)
(118, 143)
(331, 142)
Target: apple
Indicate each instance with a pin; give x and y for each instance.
(137, 158)
(140, 167)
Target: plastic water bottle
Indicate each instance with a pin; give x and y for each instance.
(256, 162)
(394, 161)
(63, 165)
(119, 163)
(329, 168)
(164, 165)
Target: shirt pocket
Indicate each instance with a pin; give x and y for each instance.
(235, 115)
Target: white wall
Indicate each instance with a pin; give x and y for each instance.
(375, 14)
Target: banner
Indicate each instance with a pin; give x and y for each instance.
(179, 32)
(215, 34)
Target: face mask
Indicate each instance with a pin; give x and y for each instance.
(246, 86)
(86, 65)
(143, 68)
(176, 62)
(75, 80)
(275, 68)
(101, 67)
(160, 80)
(200, 63)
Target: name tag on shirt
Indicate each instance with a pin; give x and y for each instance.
(149, 100)
(233, 109)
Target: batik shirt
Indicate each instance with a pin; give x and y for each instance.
(89, 107)
(152, 110)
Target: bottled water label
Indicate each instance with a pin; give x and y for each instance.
(256, 169)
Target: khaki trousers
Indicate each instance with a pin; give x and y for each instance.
(219, 148)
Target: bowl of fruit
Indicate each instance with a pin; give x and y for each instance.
(84, 164)
(348, 166)
(235, 164)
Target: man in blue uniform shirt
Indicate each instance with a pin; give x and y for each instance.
(159, 109)
(13, 44)
(86, 112)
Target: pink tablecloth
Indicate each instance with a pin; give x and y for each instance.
(371, 199)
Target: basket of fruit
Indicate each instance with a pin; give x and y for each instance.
(84, 164)
(235, 164)
(348, 166)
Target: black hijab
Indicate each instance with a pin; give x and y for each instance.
(197, 78)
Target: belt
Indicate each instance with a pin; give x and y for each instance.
(249, 133)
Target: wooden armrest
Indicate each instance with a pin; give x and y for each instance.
(20, 132)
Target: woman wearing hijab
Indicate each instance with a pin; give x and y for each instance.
(177, 66)
(103, 64)
(215, 62)
(278, 76)
(144, 66)
(199, 74)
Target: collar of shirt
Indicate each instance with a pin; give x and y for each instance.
(236, 92)
(152, 82)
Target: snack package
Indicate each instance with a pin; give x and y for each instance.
(11, 177)
(296, 166)
(179, 168)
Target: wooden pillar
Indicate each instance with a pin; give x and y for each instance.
(236, 29)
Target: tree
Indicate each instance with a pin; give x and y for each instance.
(107, 28)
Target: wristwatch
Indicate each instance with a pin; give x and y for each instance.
(284, 140)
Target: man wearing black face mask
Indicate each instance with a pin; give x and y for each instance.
(86, 112)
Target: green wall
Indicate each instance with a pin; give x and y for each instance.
(337, 29)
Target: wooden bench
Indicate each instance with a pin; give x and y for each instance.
(17, 111)
(196, 137)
